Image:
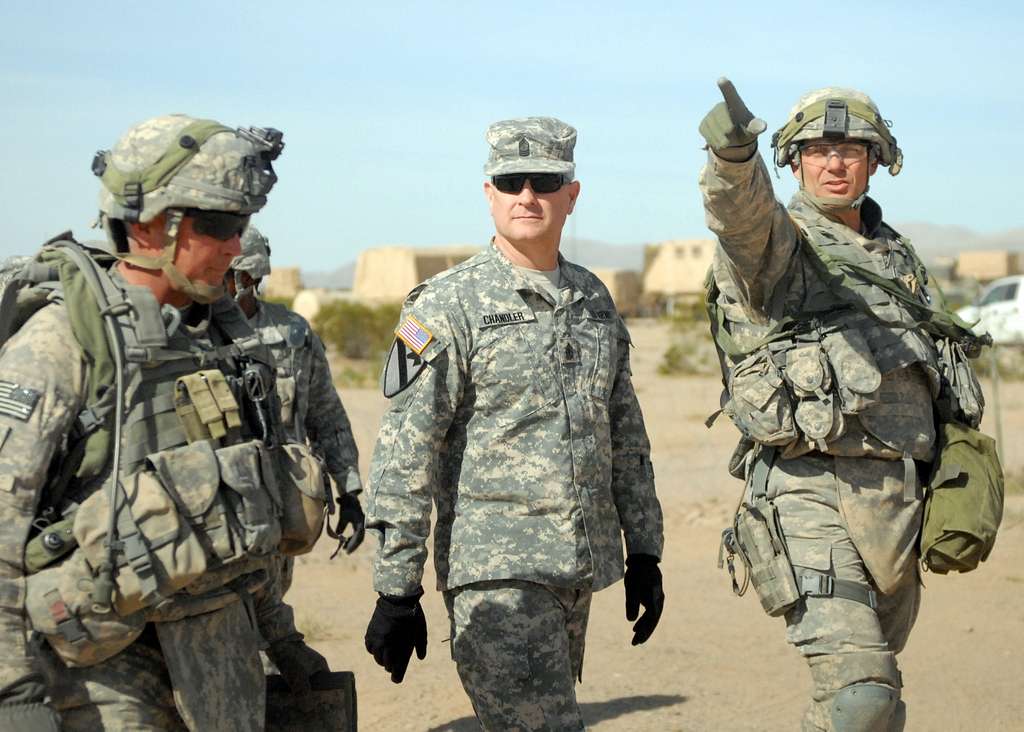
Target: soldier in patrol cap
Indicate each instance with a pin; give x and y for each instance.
(839, 360)
(312, 412)
(141, 618)
(511, 409)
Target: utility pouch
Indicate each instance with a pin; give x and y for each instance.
(758, 540)
(964, 505)
(759, 401)
(817, 412)
(206, 407)
(304, 496)
(856, 371)
(58, 603)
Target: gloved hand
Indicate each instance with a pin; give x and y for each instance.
(643, 587)
(34, 717)
(398, 625)
(730, 124)
(297, 662)
(349, 513)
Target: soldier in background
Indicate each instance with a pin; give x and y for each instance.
(839, 360)
(99, 405)
(312, 412)
(512, 410)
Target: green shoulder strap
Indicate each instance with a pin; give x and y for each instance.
(83, 310)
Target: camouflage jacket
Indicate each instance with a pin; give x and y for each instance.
(520, 422)
(310, 407)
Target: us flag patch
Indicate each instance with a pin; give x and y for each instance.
(414, 335)
(17, 401)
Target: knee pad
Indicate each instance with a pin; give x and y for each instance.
(864, 707)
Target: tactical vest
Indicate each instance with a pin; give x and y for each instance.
(285, 340)
(203, 495)
(855, 356)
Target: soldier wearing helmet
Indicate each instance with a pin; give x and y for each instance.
(838, 360)
(311, 412)
(132, 391)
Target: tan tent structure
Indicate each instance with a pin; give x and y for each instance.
(386, 274)
(676, 269)
(283, 282)
(986, 266)
(624, 287)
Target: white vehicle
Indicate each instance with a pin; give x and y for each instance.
(999, 310)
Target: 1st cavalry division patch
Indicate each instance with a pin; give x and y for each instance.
(404, 362)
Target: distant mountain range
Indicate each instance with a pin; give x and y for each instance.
(932, 241)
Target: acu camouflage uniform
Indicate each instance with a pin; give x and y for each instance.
(310, 411)
(848, 457)
(191, 659)
(521, 425)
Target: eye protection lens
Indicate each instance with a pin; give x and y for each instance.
(539, 182)
(848, 152)
(221, 225)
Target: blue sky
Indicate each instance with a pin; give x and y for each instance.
(384, 105)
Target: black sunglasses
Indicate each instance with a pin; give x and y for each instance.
(220, 225)
(539, 182)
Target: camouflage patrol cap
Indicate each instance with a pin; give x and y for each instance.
(255, 257)
(176, 161)
(840, 113)
(531, 145)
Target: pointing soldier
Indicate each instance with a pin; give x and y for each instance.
(838, 360)
(511, 409)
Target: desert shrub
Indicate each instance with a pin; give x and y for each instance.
(691, 352)
(356, 330)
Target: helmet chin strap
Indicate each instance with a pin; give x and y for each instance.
(199, 292)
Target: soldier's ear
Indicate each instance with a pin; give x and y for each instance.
(574, 193)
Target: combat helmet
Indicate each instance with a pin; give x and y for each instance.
(254, 260)
(835, 112)
(175, 162)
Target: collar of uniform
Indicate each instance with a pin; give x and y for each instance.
(519, 281)
(870, 213)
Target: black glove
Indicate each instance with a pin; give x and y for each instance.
(643, 587)
(398, 625)
(349, 513)
(730, 124)
(33, 717)
(297, 662)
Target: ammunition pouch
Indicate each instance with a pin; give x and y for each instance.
(206, 407)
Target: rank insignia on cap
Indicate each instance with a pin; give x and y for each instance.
(524, 147)
(17, 401)
(414, 335)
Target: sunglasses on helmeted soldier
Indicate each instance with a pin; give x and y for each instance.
(539, 182)
(220, 225)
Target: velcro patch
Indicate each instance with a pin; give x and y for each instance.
(403, 366)
(414, 334)
(17, 401)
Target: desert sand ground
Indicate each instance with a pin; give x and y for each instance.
(716, 662)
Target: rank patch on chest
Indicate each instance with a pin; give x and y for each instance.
(17, 401)
(490, 319)
(414, 334)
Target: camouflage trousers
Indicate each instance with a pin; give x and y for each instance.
(200, 673)
(518, 647)
(844, 641)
